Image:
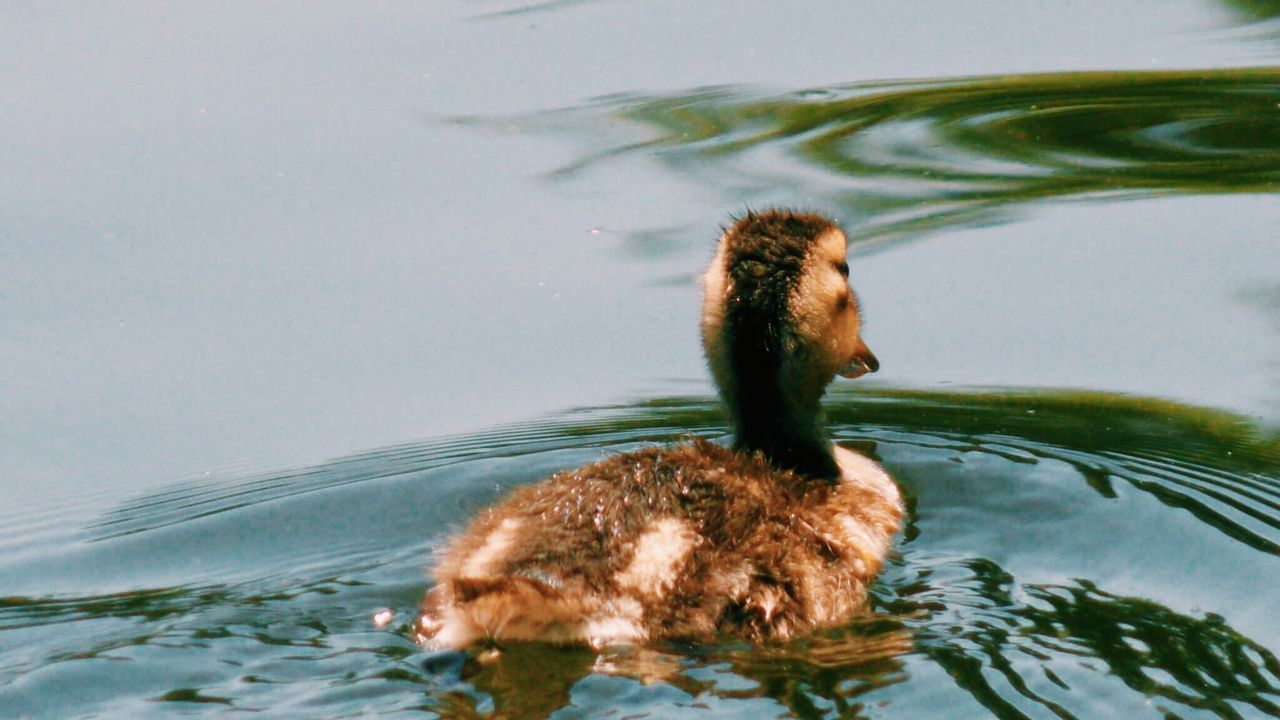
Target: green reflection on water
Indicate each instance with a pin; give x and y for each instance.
(911, 156)
(1255, 9)
(1011, 646)
(1206, 662)
(1051, 636)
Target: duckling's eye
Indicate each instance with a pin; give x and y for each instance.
(843, 268)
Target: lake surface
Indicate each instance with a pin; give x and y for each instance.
(289, 292)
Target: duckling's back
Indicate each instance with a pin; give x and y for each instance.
(689, 541)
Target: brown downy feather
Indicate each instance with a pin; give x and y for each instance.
(779, 535)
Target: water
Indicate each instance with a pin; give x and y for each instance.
(265, 238)
(1066, 554)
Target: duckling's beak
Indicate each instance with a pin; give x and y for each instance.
(864, 361)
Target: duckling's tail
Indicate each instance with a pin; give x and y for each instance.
(462, 611)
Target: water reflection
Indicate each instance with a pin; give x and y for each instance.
(1200, 662)
(149, 604)
(530, 8)
(1019, 647)
(1067, 554)
(1011, 656)
(912, 156)
(1212, 464)
(1254, 10)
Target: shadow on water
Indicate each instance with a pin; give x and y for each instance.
(913, 156)
(1067, 554)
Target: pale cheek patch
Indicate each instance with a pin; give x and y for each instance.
(716, 288)
(486, 561)
(817, 296)
(659, 554)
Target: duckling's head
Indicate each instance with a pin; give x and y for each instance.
(779, 322)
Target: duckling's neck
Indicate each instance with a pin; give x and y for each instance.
(781, 419)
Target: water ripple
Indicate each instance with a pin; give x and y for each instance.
(911, 156)
(1066, 554)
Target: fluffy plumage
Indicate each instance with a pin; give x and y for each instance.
(778, 535)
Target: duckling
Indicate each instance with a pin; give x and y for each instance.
(779, 534)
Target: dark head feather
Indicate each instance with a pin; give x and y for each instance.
(765, 257)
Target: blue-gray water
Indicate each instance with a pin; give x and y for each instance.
(238, 240)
